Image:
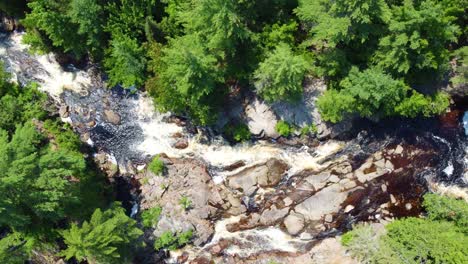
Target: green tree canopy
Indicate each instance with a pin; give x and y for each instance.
(280, 75)
(342, 21)
(125, 62)
(89, 16)
(35, 181)
(106, 238)
(51, 18)
(191, 74)
(419, 33)
(217, 22)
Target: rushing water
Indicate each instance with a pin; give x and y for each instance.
(143, 132)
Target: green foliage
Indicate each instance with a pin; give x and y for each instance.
(19, 105)
(172, 242)
(342, 21)
(239, 132)
(278, 33)
(126, 17)
(188, 79)
(156, 166)
(461, 67)
(419, 32)
(439, 238)
(125, 62)
(418, 104)
(424, 241)
(280, 75)
(150, 217)
(185, 202)
(365, 245)
(444, 208)
(226, 29)
(106, 238)
(51, 18)
(372, 92)
(15, 248)
(283, 128)
(62, 134)
(89, 15)
(309, 130)
(34, 182)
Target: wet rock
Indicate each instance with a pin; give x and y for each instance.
(272, 215)
(91, 123)
(276, 169)
(63, 111)
(234, 166)
(389, 166)
(112, 117)
(348, 208)
(181, 144)
(294, 223)
(408, 206)
(384, 187)
(398, 150)
(265, 175)
(7, 23)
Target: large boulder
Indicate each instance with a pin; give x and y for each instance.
(184, 178)
(250, 179)
(261, 120)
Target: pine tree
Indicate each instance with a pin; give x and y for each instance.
(106, 238)
(280, 75)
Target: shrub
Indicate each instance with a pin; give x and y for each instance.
(444, 208)
(310, 129)
(283, 128)
(172, 242)
(363, 243)
(185, 202)
(156, 166)
(239, 132)
(416, 240)
(150, 217)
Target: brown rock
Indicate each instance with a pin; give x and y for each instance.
(63, 111)
(181, 144)
(112, 117)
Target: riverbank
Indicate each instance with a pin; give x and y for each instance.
(267, 199)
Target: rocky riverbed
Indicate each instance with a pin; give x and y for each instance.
(269, 199)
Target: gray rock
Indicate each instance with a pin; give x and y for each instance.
(326, 201)
(261, 119)
(294, 223)
(272, 215)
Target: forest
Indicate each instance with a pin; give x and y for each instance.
(379, 59)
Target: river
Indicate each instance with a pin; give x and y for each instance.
(141, 132)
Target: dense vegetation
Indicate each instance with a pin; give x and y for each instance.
(378, 57)
(441, 237)
(47, 187)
